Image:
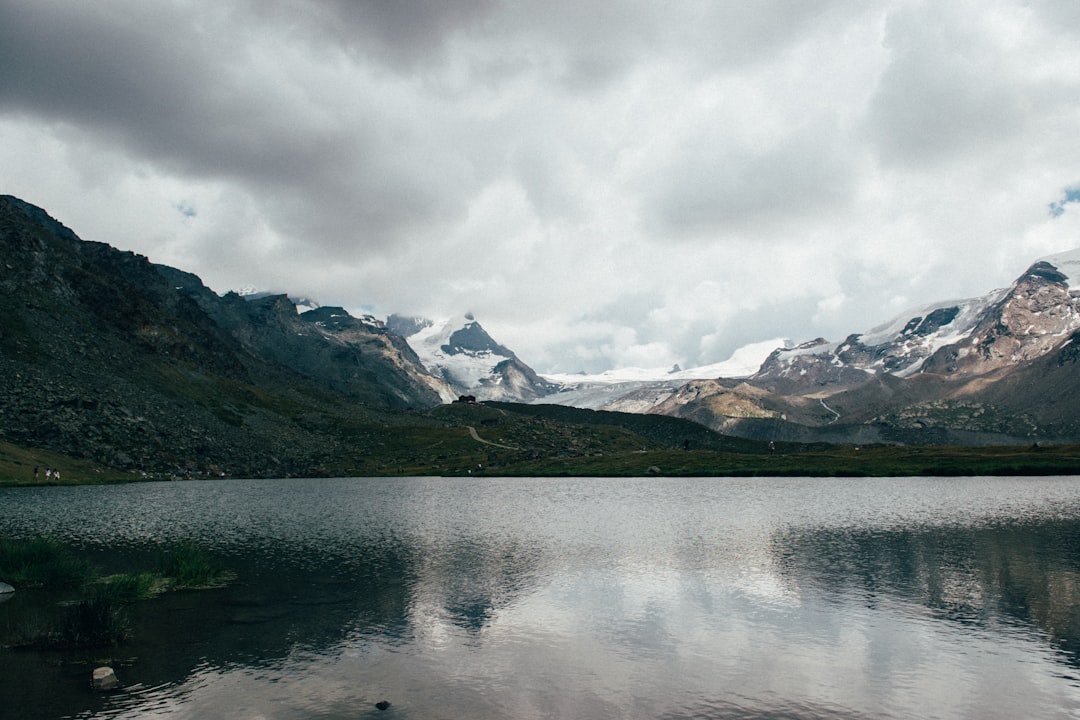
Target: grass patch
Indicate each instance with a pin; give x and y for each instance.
(187, 566)
(850, 461)
(97, 617)
(42, 562)
(17, 468)
(131, 586)
(93, 622)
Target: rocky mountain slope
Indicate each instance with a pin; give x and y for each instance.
(463, 354)
(106, 355)
(109, 357)
(1001, 368)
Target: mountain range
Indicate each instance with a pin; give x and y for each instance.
(996, 369)
(108, 356)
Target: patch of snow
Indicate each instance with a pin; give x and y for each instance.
(468, 369)
(612, 395)
(961, 325)
(744, 362)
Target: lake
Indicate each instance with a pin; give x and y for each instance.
(575, 598)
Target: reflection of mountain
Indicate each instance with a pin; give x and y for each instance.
(466, 583)
(977, 576)
(297, 600)
(306, 599)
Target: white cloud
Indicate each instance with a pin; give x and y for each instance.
(601, 183)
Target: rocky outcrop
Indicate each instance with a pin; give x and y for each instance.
(1037, 314)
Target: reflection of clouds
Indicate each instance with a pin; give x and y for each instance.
(640, 599)
(466, 582)
(642, 645)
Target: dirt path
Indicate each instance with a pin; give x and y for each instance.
(477, 438)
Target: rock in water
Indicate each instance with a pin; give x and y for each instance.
(382, 704)
(105, 679)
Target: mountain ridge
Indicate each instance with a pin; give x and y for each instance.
(999, 368)
(106, 355)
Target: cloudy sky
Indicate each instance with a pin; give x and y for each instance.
(603, 184)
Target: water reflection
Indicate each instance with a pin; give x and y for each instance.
(580, 598)
(1024, 576)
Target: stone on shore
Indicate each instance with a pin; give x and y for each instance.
(105, 679)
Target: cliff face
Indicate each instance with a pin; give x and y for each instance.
(106, 355)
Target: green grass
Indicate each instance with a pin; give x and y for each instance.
(96, 617)
(42, 562)
(131, 586)
(187, 566)
(553, 440)
(17, 468)
(878, 461)
(94, 622)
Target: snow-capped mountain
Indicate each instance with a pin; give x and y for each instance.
(461, 352)
(997, 368)
(973, 336)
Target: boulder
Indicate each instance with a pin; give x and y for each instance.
(105, 679)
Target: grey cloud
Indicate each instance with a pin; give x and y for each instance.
(1058, 15)
(203, 107)
(549, 152)
(730, 34)
(582, 45)
(545, 170)
(712, 186)
(946, 93)
(404, 34)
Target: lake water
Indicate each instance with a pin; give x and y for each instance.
(577, 598)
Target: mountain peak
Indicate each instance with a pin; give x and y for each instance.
(462, 352)
(472, 338)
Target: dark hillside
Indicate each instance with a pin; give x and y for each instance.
(104, 355)
(664, 430)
